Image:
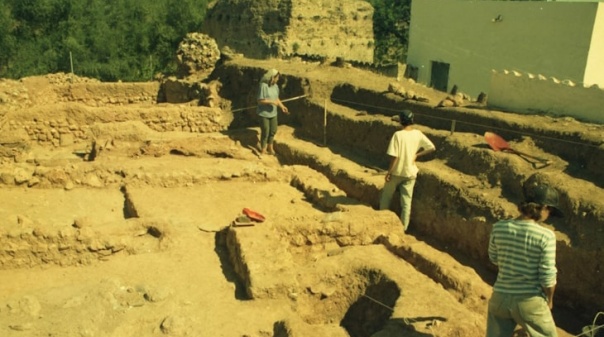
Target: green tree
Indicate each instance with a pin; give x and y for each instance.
(107, 39)
(34, 26)
(7, 40)
(391, 21)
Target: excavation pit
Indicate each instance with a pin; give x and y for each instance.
(370, 312)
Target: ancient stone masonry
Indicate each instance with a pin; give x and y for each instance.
(61, 130)
(197, 54)
(30, 247)
(339, 29)
(100, 94)
(28, 243)
(314, 28)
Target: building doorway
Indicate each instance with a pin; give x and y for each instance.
(439, 77)
(411, 72)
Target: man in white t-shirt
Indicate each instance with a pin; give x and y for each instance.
(405, 147)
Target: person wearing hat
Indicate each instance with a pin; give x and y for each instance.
(406, 145)
(268, 104)
(525, 254)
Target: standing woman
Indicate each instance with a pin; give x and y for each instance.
(268, 104)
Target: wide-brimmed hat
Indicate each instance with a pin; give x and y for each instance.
(543, 195)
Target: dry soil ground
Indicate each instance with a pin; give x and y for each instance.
(139, 241)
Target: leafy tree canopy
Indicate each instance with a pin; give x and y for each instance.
(132, 40)
(391, 21)
(106, 39)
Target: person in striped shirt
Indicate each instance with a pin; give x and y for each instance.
(525, 254)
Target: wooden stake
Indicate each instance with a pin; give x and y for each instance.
(325, 123)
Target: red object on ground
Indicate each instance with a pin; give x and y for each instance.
(496, 142)
(499, 144)
(253, 215)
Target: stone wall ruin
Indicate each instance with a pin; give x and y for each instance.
(313, 28)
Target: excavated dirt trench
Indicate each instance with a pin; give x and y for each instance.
(470, 184)
(465, 186)
(334, 257)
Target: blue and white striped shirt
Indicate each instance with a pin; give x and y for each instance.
(525, 253)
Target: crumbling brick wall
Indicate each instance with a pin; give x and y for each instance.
(281, 28)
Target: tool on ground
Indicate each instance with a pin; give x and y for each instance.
(497, 143)
(255, 216)
(243, 221)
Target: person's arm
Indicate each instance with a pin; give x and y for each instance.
(283, 107)
(267, 101)
(492, 249)
(548, 270)
(264, 98)
(426, 147)
(391, 167)
(549, 295)
(424, 152)
(276, 102)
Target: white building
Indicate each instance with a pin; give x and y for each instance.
(458, 42)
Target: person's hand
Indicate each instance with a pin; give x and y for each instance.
(285, 110)
(388, 176)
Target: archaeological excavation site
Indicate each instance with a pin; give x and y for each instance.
(118, 209)
(125, 206)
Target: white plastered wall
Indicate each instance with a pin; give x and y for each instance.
(531, 94)
(594, 72)
(550, 38)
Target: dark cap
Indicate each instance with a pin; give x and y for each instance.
(543, 195)
(406, 117)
